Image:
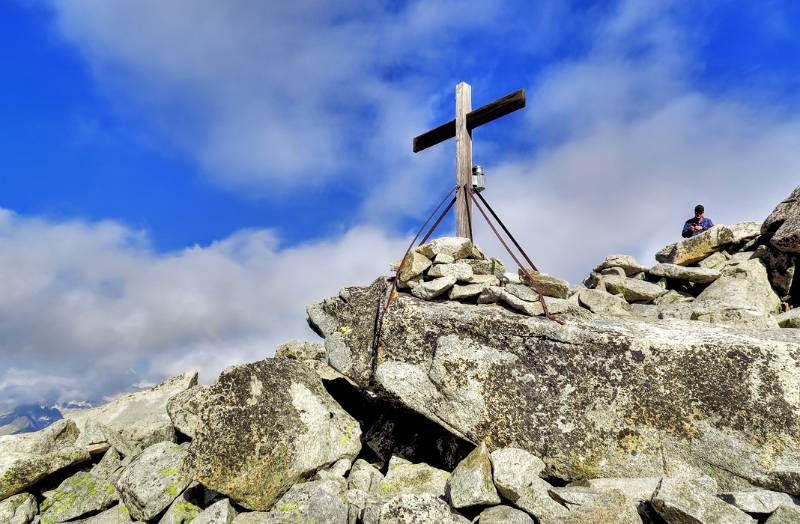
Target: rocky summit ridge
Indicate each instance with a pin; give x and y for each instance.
(666, 393)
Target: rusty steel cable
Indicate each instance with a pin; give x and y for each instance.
(519, 264)
(421, 229)
(377, 330)
(514, 240)
(438, 221)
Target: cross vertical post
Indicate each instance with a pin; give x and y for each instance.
(461, 128)
(463, 161)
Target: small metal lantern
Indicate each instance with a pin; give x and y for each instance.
(478, 179)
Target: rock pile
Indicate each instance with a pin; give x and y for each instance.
(272, 445)
(738, 274)
(728, 274)
(455, 269)
(457, 403)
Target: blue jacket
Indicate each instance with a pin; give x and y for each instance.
(706, 223)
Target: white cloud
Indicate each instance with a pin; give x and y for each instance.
(625, 146)
(86, 303)
(622, 145)
(266, 94)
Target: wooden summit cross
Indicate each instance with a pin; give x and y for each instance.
(466, 120)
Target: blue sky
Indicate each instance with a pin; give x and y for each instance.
(180, 178)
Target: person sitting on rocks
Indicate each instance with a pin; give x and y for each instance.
(697, 224)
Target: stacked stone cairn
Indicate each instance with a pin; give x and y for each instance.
(454, 268)
(732, 274)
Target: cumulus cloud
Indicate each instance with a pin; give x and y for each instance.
(617, 145)
(623, 145)
(274, 94)
(88, 309)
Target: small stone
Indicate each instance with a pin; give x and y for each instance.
(78, 495)
(413, 265)
(456, 247)
(490, 295)
(338, 470)
(254, 517)
(19, 509)
(513, 470)
(626, 262)
(785, 514)
(673, 297)
(487, 280)
(316, 501)
(462, 292)
(411, 283)
(186, 507)
(118, 514)
(782, 226)
(789, 319)
(510, 278)
(504, 515)
(715, 260)
(403, 477)
(434, 288)
(690, 274)
(758, 500)
(183, 409)
(477, 253)
(486, 267)
(459, 270)
(522, 292)
(649, 311)
(549, 285)
(218, 513)
(416, 508)
(605, 506)
(616, 271)
(781, 267)
(443, 258)
(471, 482)
(682, 500)
(109, 466)
(633, 290)
(737, 258)
(604, 303)
(639, 489)
(523, 306)
(153, 480)
(301, 350)
(745, 231)
(364, 476)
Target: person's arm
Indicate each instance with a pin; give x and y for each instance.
(709, 223)
(686, 233)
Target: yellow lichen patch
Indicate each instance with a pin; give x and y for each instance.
(288, 507)
(346, 330)
(771, 450)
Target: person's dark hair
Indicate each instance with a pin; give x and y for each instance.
(699, 209)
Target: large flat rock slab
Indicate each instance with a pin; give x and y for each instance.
(696, 248)
(593, 398)
(28, 458)
(264, 427)
(138, 419)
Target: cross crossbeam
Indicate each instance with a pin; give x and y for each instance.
(482, 115)
(461, 128)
